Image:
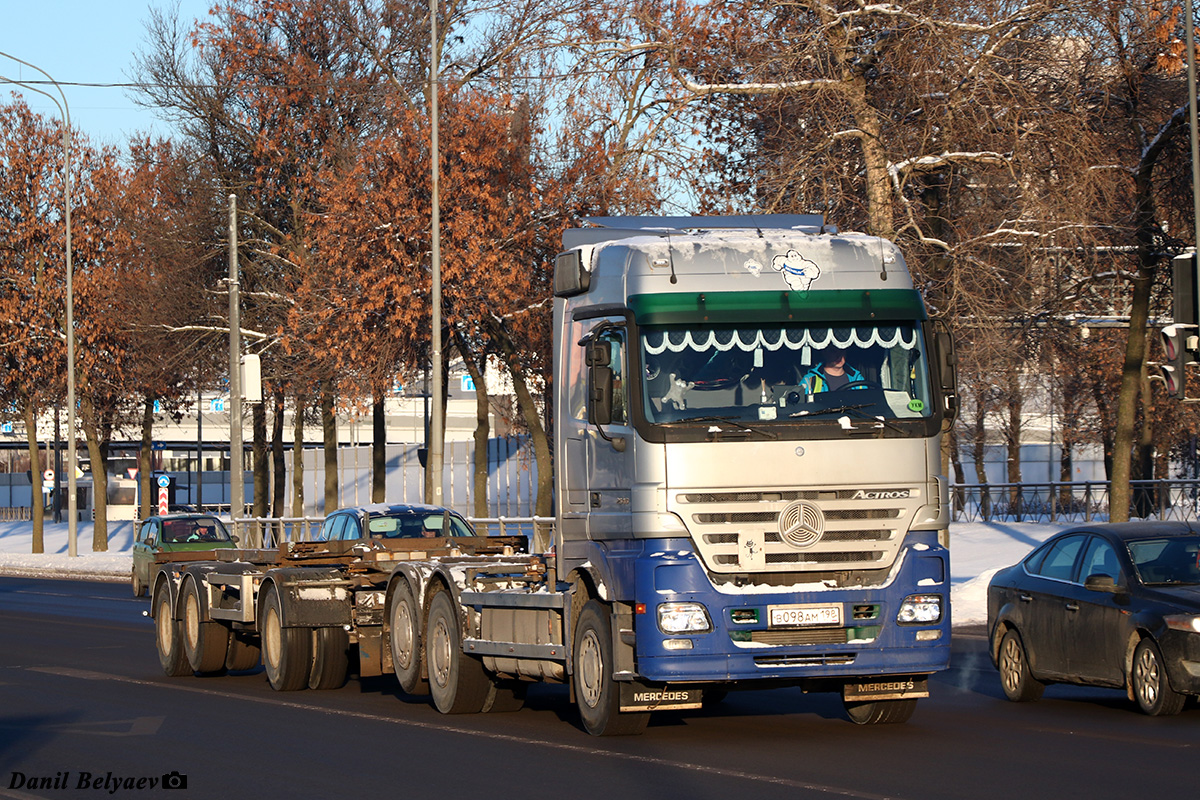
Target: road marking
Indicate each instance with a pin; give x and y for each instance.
(140, 726)
(501, 737)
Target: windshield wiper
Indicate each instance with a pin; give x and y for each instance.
(727, 421)
(832, 410)
(857, 409)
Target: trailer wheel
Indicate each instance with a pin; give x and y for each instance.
(167, 639)
(404, 638)
(331, 660)
(204, 641)
(243, 653)
(457, 682)
(286, 652)
(596, 693)
(505, 696)
(880, 712)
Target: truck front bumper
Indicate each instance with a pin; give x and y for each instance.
(776, 634)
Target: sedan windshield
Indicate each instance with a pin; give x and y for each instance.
(418, 525)
(194, 529)
(788, 373)
(1173, 560)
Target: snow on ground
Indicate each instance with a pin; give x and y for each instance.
(977, 550)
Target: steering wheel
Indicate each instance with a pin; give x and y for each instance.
(861, 384)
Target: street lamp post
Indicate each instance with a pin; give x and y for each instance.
(65, 110)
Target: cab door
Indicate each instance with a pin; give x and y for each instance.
(609, 443)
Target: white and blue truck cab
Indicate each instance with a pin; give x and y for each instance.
(748, 416)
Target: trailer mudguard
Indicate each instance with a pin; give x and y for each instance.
(311, 597)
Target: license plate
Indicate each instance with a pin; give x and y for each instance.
(803, 616)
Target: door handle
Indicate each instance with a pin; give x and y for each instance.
(1072, 606)
(1025, 598)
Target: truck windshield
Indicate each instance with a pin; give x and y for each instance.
(860, 375)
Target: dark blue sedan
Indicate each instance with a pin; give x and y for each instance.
(1113, 605)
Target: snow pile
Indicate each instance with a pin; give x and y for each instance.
(977, 550)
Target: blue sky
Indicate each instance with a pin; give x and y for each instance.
(84, 41)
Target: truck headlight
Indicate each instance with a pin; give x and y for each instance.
(676, 618)
(1183, 622)
(920, 609)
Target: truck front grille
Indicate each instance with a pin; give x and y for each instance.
(743, 531)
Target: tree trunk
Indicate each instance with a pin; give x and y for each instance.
(262, 467)
(37, 507)
(298, 459)
(145, 464)
(329, 436)
(278, 464)
(379, 448)
(91, 432)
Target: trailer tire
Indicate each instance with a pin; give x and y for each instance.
(331, 660)
(457, 682)
(205, 642)
(404, 639)
(505, 696)
(286, 652)
(167, 638)
(596, 693)
(880, 712)
(244, 652)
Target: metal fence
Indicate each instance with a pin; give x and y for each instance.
(1086, 501)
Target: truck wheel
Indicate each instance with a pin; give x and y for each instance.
(243, 653)
(331, 660)
(880, 712)
(204, 641)
(404, 636)
(139, 588)
(505, 696)
(167, 639)
(457, 682)
(286, 652)
(596, 693)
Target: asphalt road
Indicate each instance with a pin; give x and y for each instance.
(85, 711)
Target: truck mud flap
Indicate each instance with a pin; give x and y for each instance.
(887, 687)
(640, 697)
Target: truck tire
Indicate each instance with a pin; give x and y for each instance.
(167, 639)
(505, 696)
(204, 641)
(880, 712)
(457, 682)
(286, 652)
(596, 693)
(404, 637)
(244, 652)
(331, 660)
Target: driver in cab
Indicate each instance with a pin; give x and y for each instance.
(831, 374)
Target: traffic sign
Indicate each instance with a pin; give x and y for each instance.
(164, 481)
(48, 476)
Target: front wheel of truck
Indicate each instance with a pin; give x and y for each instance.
(596, 693)
(880, 712)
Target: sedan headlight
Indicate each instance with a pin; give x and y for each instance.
(674, 618)
(920, 609)
(1183, 622)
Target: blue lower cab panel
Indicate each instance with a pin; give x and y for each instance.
(792, 633)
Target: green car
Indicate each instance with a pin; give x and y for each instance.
(174, 533)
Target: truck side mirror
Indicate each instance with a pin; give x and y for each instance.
(947, 364)
(600, 394)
